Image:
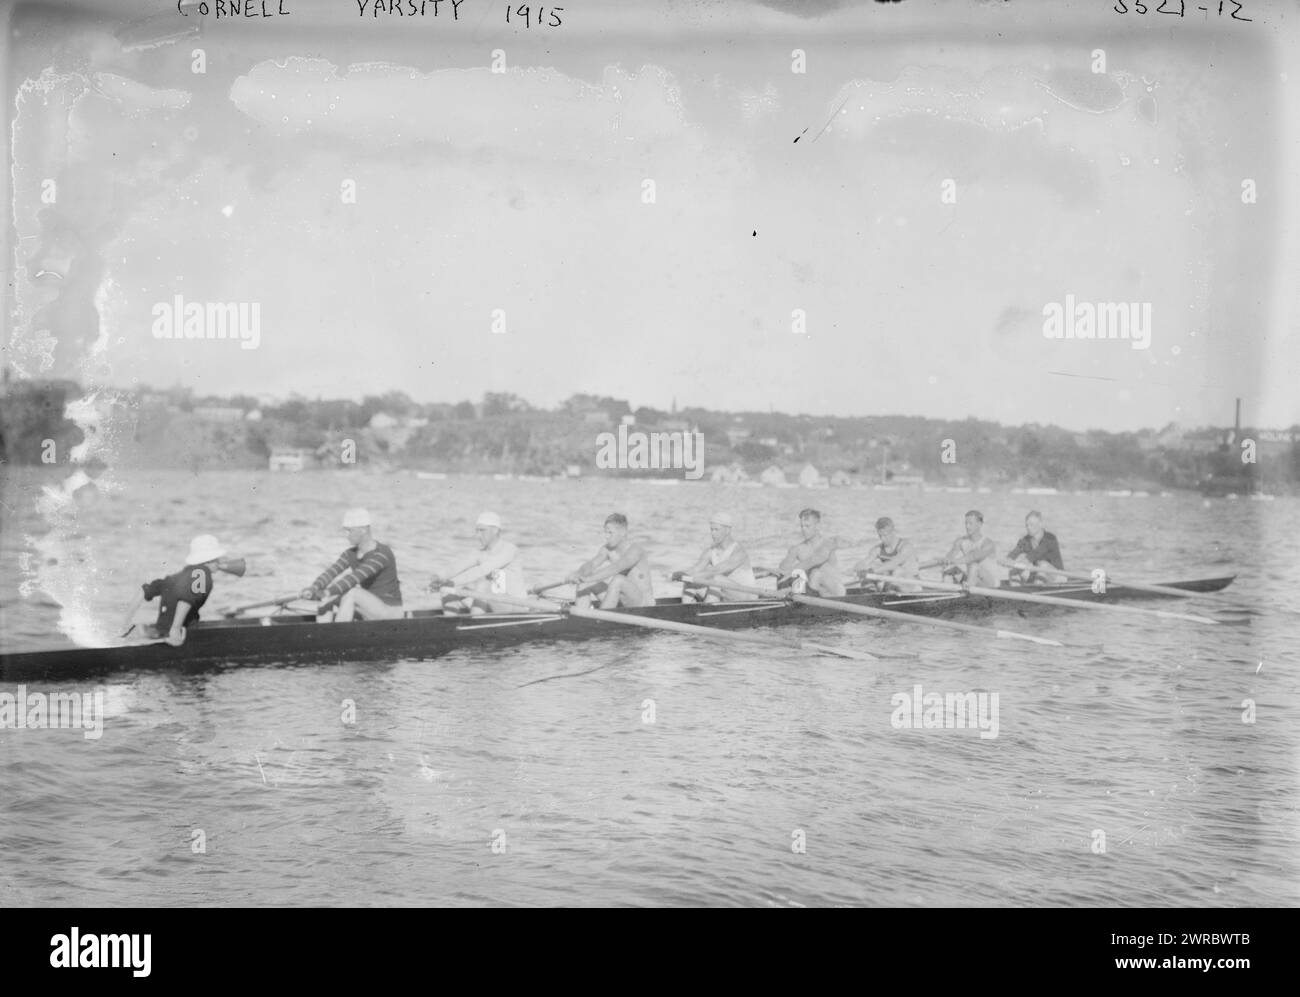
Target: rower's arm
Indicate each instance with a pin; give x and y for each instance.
(727, 565)
(494, 561)
(871, 562)
(818, 556)
(177, 635)
(587, 567)
(617, 567)
(330, 573)
(985, 549)
(370, 566)
(905, 563)
(1020, 548)
(463, 571)
(701, 567)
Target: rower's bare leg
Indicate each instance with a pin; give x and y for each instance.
(827, 587)
(610, 600)
(587, 596)
(630, 594)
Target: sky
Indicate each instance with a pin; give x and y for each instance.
(407, 219)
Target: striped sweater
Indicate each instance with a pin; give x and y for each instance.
(376, 572)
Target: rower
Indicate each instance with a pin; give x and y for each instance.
(493, 568)
(894, 556)
(723, 559)
(815, 557)
(619, 572)
(973, 557)
(182, 595)
(364, 578)
(1037, 546)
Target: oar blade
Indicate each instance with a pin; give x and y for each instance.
(841, 652)
(1192, 617)
(1015, 635)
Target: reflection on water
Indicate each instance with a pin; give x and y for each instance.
(655, 769)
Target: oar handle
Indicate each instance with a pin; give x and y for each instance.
(523, 602)
(728, 586)
(229, 613)
(539, 589)
(1043, 569)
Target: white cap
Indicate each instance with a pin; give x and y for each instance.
(204, 549)
(721, 518)
(488, 519)
(355, 517)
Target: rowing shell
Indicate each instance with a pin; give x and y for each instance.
(426, 634)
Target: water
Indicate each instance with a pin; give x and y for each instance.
(247, 786)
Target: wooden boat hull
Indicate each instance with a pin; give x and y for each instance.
(427, 634)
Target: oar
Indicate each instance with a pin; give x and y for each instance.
(764, 595)
(711, 633)
(1047, 569)
(1049, 600)
(230, 613)
(126, 618)
(889, 614)
(539, 589)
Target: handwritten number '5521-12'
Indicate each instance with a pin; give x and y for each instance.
(524, 12)
(1141, 8)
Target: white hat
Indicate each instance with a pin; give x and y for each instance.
(204, 549)
(721, 518)
(355, 517)
(488, 519)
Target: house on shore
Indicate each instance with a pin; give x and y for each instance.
(732, 475)
(810, 477)
(773, 476)
(288, 459)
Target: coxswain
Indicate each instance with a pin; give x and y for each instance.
(723, 560)
(973, 557)
(363, 579)
(1036, 547)
(894, 556)
(493, 568)
(182, 595)
(815, 556)
(619, 573)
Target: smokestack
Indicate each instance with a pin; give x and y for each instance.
(1237, 423)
